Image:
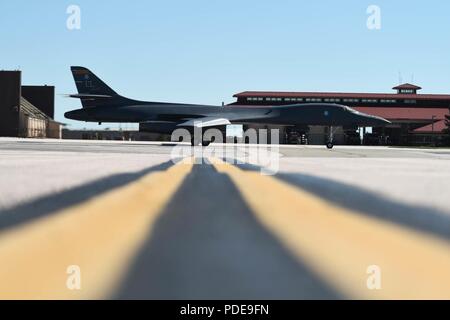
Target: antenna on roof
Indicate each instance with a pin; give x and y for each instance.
(400, 78)
(412, 78)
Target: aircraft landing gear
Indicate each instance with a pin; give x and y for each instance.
(330, 144)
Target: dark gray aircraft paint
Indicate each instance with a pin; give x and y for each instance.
(102, 104)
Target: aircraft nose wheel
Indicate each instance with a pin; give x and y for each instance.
(330, 144)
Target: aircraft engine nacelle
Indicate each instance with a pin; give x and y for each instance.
(158, 127)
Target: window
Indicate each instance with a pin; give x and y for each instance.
(274, 99)
(411, 101)
(313, 100)
(252, 99)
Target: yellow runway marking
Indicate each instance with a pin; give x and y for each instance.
(339, 244)
(100, 236)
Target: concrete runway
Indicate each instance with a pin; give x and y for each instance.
(141, 226)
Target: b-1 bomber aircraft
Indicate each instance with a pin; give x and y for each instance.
(102, 104)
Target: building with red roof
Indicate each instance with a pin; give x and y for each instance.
(417, 119)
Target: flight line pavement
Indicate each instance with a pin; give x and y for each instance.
(211, 238)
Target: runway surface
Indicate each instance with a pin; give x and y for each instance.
(94, 219)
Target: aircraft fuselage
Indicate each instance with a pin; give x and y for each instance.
(302, 114)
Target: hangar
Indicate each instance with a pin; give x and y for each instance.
(417, 119)
(26, 111)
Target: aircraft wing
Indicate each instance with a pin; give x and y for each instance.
(205, 122)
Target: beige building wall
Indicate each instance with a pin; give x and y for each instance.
(54, 130)
(31, 127)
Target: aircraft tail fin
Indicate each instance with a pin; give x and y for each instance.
(92, 91)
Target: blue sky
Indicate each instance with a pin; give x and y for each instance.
(205, 51)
